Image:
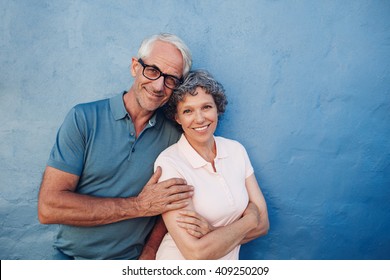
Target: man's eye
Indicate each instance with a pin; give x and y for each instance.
(152, 71)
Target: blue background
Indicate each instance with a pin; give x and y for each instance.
(308, 84)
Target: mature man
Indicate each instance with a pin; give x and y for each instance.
(99, 183)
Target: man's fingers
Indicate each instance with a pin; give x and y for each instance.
(157, 198)
(156, 175)
(177, 205)
(176, 185)
(180, 196)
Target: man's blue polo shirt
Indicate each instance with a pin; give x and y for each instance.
(97, 142)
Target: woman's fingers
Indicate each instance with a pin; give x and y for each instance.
(194, 223)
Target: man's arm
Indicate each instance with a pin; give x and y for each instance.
(154, 240)
(58, 203)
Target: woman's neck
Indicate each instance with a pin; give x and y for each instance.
(207, 150)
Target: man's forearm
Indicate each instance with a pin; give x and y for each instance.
(58, 203)
(82, 210)
(154, 240)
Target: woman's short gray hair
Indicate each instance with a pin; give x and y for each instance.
(195, 79)
(147, 44)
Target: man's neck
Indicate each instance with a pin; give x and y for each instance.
(139, 116)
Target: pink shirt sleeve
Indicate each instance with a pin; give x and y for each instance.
(248, 165)
(169, 170)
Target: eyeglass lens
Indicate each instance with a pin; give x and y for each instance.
(152, 73)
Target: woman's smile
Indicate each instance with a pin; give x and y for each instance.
(203, 128)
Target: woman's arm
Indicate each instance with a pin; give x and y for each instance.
(198, 226)
(256, 197)
(215, 244)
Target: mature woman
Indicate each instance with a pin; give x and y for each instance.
(226, 191)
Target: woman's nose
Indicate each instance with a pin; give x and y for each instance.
(199, 118)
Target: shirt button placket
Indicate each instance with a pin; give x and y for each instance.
(226, 189)
(131, 143)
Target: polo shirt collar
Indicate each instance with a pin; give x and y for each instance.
(153, 120)
(117, 106)
(193, 157)
(119, 111)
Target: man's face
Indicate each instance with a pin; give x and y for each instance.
(152, 94)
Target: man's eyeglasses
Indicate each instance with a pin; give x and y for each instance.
(153, 73)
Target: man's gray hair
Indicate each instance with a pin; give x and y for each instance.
(147, 44)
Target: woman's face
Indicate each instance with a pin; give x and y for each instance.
(198, 116)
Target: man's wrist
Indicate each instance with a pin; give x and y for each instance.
(134, 207)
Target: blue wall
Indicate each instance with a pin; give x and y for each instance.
(308, 84)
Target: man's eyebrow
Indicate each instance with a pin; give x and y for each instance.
(155, 66)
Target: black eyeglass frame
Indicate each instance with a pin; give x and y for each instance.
(179, 81)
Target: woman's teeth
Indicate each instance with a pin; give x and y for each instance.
(201, 128)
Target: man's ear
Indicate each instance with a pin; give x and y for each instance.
(134, 66)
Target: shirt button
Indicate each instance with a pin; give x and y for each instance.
(132, 133)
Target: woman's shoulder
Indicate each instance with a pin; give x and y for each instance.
(170, 153)
(229, 143)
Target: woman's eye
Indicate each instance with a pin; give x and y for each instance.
(186, 111)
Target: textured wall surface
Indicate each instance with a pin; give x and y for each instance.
(308, 84)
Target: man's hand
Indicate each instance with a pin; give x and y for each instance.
(157, 198)
(194, 223)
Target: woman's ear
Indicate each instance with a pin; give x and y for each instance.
(177, 119)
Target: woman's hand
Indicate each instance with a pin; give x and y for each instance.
(194, 223)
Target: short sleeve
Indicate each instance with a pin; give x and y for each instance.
(248, 165)
(68, 151)
(169, 169)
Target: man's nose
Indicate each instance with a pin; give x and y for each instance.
(158, 85)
